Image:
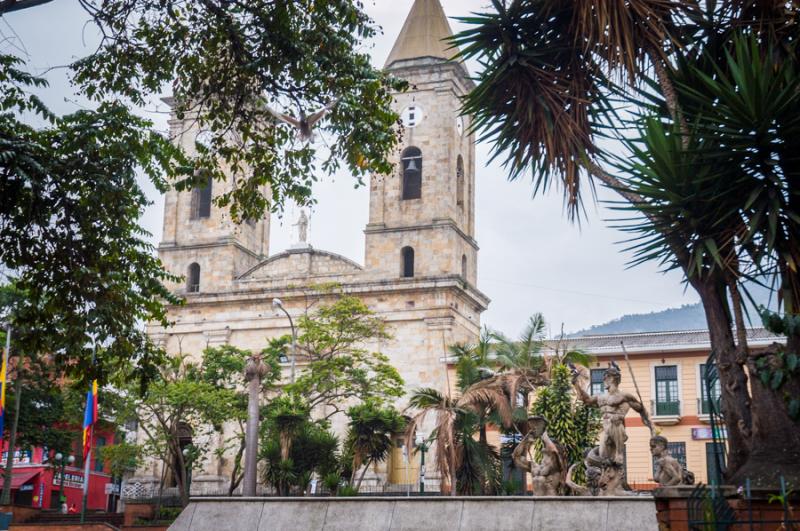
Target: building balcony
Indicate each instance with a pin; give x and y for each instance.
(666, 412)
(704, 408)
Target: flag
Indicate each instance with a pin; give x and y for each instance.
(89, 418)
(3, 396)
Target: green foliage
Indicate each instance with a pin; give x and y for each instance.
(187, 398)
(122, 457)
(369, 435)
(569, 422)
(69, 231)
(347, 491)
(703, 98)
(525, 352)
(331, 482)
(49, 410)
(478, 470)
(228, 61)
(339, 367)
(312, 448)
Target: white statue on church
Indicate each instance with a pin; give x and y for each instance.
(302, 229)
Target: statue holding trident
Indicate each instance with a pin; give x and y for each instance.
(614, 404)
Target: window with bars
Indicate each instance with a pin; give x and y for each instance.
(716, 391)
(596, 386)
(676, 450)
(667, 397)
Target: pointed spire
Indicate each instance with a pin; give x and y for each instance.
(423, 34)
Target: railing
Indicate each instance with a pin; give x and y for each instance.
(666, 409)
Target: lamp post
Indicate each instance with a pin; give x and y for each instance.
(277, 304)
(63, 462)
(188, 457)
(423, 447)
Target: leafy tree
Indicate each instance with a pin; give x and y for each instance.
(69, 232)
(69, 218)
(709, 165)
(226, 61)
(369, 436)
(179, 403)
(339, 367)
(121, 457)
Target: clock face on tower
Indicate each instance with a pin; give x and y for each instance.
(460, 126)
(412, 115)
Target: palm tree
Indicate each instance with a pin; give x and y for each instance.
(711, 157)
(454, 416)
(288, 414)
(369, 437)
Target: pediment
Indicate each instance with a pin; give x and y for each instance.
(306, 262)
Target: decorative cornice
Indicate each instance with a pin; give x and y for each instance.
(438, 223)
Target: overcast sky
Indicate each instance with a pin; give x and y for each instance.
(531, 258)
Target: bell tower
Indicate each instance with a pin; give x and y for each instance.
(421, 217)
(200, 241)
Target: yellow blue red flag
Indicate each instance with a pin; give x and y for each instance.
(89, 418)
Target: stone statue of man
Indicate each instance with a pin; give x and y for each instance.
(614, 404)
(549, 473)
(668, 470)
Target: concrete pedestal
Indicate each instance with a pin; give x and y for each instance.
(517, 513)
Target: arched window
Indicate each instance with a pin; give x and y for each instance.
(201, 199)
(464, 266)
(408, 262)
(193, 278)
(460, 182)
(412, 173)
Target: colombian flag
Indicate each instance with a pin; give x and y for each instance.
(3, 396)
(89, 418)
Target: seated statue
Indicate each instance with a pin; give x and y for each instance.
(668, 470)
(548, 474)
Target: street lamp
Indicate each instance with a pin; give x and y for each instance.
(422, 446)
(277, 304)
(188, 456)
(63, 462)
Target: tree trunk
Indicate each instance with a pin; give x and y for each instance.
(363, 473)
(763, 441)
(251, 437)
(735, 398)
(236, 477)
(5, 499)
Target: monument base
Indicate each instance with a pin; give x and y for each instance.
(517, 513)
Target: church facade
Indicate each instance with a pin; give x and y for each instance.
(419, 272)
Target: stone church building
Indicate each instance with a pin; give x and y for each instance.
(419, 271)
